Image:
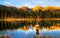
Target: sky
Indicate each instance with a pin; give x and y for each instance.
(30, 3)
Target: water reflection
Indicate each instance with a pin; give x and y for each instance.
(31, 33)
(34, 29)
(43, 23)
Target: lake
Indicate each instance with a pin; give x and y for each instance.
(30, 33)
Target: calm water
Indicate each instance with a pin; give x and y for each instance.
(30, 33)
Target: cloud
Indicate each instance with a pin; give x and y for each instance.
(8, 3)
(28, 4)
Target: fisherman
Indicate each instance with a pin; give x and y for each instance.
(37, 29)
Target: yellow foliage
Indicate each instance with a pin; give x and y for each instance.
(24, 8)
(37, 8)
(51, 8)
